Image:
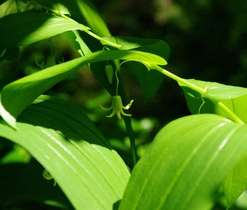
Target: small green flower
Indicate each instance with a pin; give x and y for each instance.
(117, 107)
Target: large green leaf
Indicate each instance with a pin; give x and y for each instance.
(29, 27)
(186, 164)
(222, 99)
(236, 182)
(16, 96)
(70, 147)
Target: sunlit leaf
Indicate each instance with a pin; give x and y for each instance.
(16, 155)
(66, 143)
(40, 26)
(12, 6)
(186, 163)
(52, 6)
(236, 182)
(92, 17)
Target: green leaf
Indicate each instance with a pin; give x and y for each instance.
(71, 148)
(92, 18)
(77, 42)
(52, 6)
(40, 26)
(46, 110)
(16, 155)
(150, 81)
(128, 43)
(186, 163)
(232, 97)
(16, 96)
(13, 6)
(82, 11)
(236, 182)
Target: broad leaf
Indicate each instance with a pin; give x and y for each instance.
(40, 26)
(185, 164)
(234, 98)
(16, 96)
(70, 147)
(236, 182)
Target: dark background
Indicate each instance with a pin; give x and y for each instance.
(207, 40)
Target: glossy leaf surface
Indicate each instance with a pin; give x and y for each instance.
(186, 164)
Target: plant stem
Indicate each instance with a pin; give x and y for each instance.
(127, 120)
(231, 115)
(103, 40)
(202, 91)
(181, 80)
(131, 135)
(86, 31)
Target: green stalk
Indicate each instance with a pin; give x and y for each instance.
(202, 91)
(230, 114)
(181, 80)
(127, 120)
(131, 135)
(103, 40)
(86, 31)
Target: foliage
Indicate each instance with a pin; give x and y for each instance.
(192, 163)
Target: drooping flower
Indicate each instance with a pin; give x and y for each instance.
(117, 107)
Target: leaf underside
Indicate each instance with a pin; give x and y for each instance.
(234, 98)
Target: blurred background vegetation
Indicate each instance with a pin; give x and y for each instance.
(207, 40)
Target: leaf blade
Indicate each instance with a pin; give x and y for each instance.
(40, 26)
(90, 174)
(186, 164)
(234, 98)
